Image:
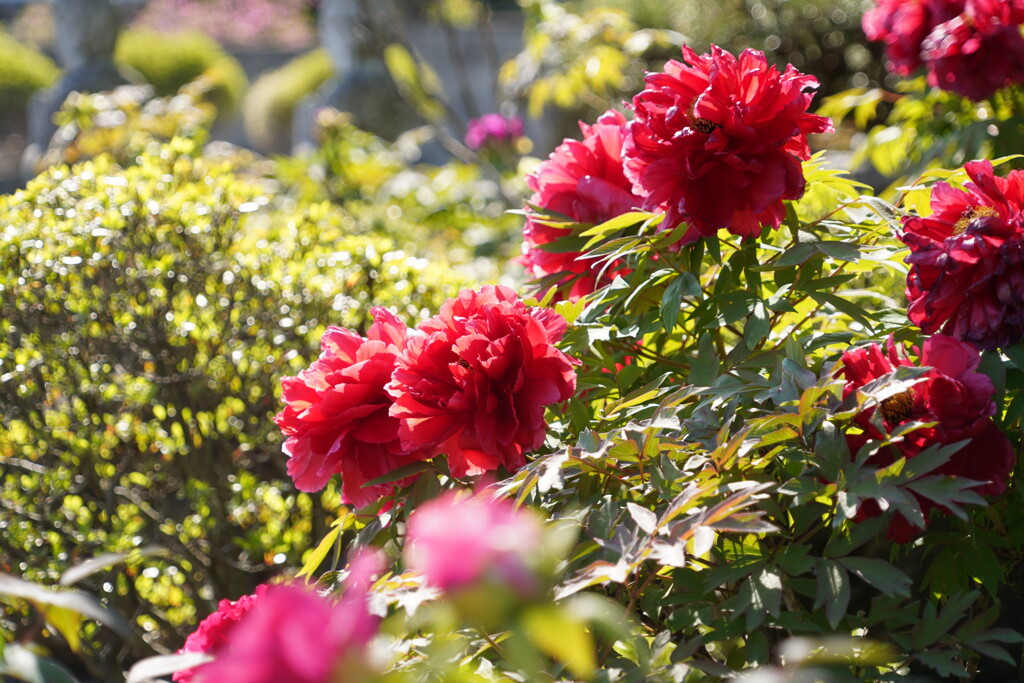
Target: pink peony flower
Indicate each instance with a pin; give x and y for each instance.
(336, 417)
(953, 395)
(214, 631)
(978, 51)
(293, 634)
(476, 383)
(965, 277)
(457, 541)
(903, 25)
(584, 181)
(493, 130)
(717, 141)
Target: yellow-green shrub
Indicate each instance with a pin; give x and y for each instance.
(149, 314)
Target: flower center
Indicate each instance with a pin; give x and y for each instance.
(960, 227)
(899, 408)
(704, 125)
(463, 362)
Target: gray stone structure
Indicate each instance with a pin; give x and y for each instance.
(85, 33)
(363, 87)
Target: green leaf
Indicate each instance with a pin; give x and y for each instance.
(77, 601)
(153, 668)
(880, 574)
(318, 555)
(833, 591)
(562, 637)
(25, 665)
(704, 371)
(615, 224)
(400, 473)
(670, 304)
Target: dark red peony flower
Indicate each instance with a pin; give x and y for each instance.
(214, 630)
(978, 51)
(476, 383)
(584, 181)
(336, 417)
(717, 141)
(953, 395)
(966, 277)
(293, 634)
(903, 25)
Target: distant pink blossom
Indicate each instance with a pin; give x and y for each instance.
(493, 130)
(456, 541)
(280, 24)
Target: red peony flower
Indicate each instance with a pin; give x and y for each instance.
(903, 25)
(457, 541)
(214, 630)
(336, 416)
(476, 383)
(966, 278)
(978, 51)
(293, 634)
(717, 141)
(955, 396)
(584, 181)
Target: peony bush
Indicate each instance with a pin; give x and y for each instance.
(748, 422)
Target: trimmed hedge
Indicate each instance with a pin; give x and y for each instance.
(271, 101)
(169, 61)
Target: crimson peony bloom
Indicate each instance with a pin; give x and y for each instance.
(293, 634)
(336, 413)
(584, 181)
(476, 383)
(978, 51)
(457, 541)
(903, 25)
(955, 396)
(493, 129)
(965, 277)
(717, 141)
(214, 630)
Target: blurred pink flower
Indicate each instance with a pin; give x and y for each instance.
(456, 541)
(293, 634)
(493, 129)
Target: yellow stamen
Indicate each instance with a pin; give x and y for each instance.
(960, 227)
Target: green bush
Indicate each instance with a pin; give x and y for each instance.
(149, 314)
(270, 102)
(169, 61)
(23, 71)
